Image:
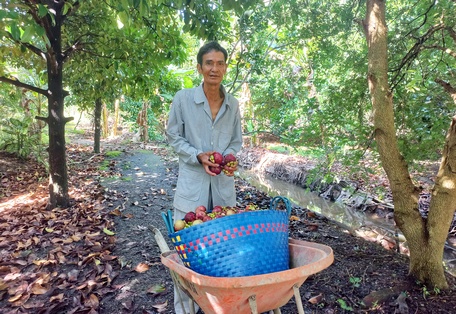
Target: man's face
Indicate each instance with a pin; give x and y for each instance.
(213, 67)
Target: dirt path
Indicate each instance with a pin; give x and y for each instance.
(143, 190)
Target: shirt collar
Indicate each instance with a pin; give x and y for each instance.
(200, 97)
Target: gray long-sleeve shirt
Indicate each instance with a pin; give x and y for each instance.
(191, 131)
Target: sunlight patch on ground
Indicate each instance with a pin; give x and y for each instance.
(26, 199)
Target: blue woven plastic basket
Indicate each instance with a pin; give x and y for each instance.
(246, 244)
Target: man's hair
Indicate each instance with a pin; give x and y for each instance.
(208, 47)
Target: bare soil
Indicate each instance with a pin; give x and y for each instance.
(99, 256)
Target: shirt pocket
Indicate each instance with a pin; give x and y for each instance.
(223, 140)
(189, 184)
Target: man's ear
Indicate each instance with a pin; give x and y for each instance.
(198, 67)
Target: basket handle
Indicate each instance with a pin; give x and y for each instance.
(275, 201)
(168, 218)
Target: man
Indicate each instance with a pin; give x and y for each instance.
(203, 120)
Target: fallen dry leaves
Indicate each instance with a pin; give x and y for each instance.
(55, 261)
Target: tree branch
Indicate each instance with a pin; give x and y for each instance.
(16, 82)
(444, 49)
(447, 87)
(30, 47)
(452, 33)
(412, 54)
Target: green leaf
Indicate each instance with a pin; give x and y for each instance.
(28, 33)
(39, 30)
(143, 7)
(42, 10)
(108, 232)
(15, 32)
(66, 7)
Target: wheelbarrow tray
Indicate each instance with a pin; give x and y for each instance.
(220, 295)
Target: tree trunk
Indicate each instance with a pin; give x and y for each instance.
(58, 175)
(116, 117)
(97, 136)
(105, 121)
(141, 120)
(425, 237)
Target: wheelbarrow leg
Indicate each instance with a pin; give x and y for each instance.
(165, 248)
(254, 307)
(191, 306)
(253, 304)
(298, 300)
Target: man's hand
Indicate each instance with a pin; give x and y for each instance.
(229, 171)
(203, 158)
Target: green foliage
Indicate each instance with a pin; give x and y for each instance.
(113, 153)
(355, 281)
(344, 305)
(17, 138)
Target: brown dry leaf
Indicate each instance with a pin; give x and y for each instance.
(58, 297)
(15, 298)
(161, 306)
(44, 262)
(108, 257)
(312, 227)
(20, 302)
(115, 212)
(3, 285)
(61, 257)
(311, 214)
(294, 218)
(33, 304)
(92, 301)
(316, 299)
(142, 267)
(37, 288)
(128, 305)
(76, 238)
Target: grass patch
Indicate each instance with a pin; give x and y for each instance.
(311, 152)
(113, 154)
(282, 149)
(104, 165)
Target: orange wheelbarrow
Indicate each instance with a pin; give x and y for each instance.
(250, 294)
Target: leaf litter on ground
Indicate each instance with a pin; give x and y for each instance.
(64, 261)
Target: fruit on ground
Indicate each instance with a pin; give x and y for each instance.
(179, 225)
(216, 158)
(189, 217)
